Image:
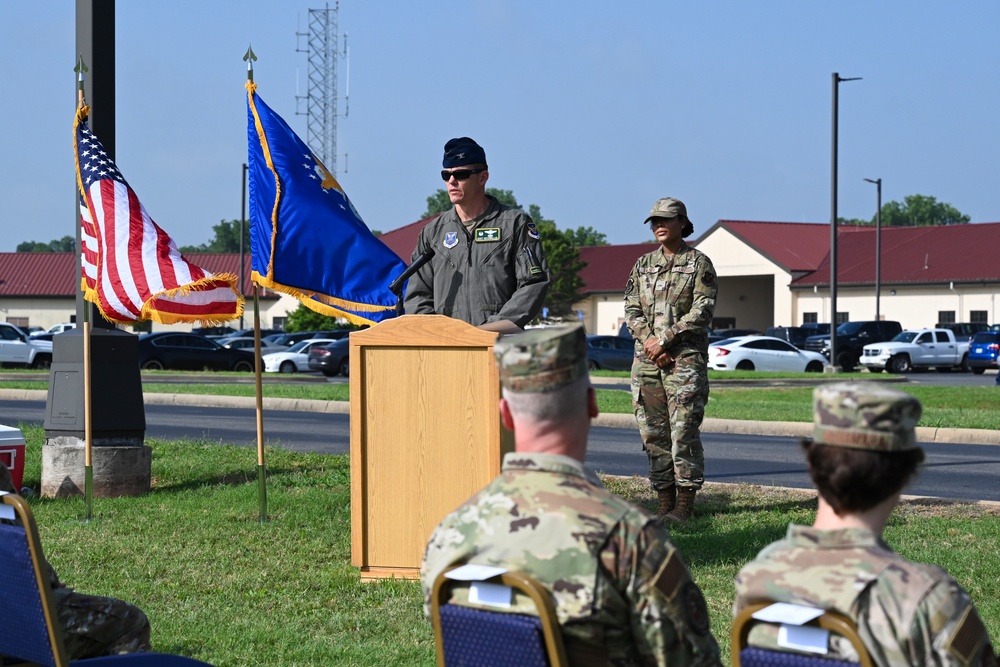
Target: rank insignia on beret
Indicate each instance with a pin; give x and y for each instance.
(533, 231)
(487, 235)
(450, 239)
(708, 279)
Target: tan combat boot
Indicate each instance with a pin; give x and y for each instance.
(668, 499)
(685, 505)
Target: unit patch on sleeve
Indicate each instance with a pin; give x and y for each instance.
(487, 235)
(533, 231)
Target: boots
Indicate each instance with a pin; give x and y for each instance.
(668, 498)
(685, 506)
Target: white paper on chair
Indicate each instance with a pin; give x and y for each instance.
(789, 614)
(493, 595)
(473, 572)
(804, 638)
(7, 512)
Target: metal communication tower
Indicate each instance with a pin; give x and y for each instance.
(322, 40)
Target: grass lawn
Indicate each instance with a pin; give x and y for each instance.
(221, 587)
(944, 407)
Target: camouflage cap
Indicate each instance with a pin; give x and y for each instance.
(541, 360)
(865, 415)
(668, 207)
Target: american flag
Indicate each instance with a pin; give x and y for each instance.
(132, 269)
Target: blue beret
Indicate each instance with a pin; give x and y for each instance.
(462, 151)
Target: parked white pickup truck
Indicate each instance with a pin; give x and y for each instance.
(16, 348)
(923, 348)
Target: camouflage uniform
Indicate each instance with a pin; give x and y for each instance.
(621, 590)
(496, 272)
(672, 299)
(91, 625)
(907, 613)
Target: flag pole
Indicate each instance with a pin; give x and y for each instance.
(88, 430)
(249, 57)
(261, 472)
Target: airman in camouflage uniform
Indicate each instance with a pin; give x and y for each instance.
(621, 590)
(92, 626)
(907, 613)
(669, 305)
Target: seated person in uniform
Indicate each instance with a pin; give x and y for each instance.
(862, 454)
(92, 626)
(621, 590)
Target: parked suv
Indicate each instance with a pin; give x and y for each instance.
(963, 330)
(794, 335)
(983, 351)
(18, 349)
(851, 339)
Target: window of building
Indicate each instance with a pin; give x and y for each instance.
(979, 316)
(810, 318)
(23, 321)
(279, 323)
(946, 316)
(843, 317)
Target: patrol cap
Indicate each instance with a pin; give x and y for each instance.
(668, 207)
(865, 415)
(462, 151)
(541, 360)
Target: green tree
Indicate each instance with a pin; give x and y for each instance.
(226, 239)
(914, 211)
(307, 319)
(65, 244)
(586, 236)
(921, 211)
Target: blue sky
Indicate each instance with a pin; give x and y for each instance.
(592, 110)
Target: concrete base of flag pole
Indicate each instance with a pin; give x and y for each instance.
(121, 462)
(119, 469)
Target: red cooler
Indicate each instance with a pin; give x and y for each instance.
(12, 452)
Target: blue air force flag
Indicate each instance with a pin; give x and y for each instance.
(306, 238)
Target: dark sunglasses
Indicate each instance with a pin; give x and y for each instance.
(459, 174)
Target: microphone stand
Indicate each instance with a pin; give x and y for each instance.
(396, 286)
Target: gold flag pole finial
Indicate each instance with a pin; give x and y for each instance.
(248, 58)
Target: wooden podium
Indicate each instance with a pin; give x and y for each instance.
(425, 434)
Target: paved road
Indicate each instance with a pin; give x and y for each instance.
(967, 472)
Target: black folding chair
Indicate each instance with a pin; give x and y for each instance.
(469, 636)
(744, 655)
(29, 624)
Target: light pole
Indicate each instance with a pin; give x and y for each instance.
(878, 246)
(833, 224)
(243, 224)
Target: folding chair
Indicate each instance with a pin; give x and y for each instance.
(467, 636)
(29, 624)
(751, 656)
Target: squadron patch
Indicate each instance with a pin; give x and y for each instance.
(708, 279)
(533, 231)
(694, 604)
(630, 286)
(450, 239)
(487, 235)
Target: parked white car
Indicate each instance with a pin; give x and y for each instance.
(294, 359)
(762, 353)
(246, 343)
(18, 349)
(55, 329)
(921, 348)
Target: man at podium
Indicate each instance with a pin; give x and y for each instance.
(484, 260)
(620, 587)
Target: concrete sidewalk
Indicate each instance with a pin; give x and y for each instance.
(965, 436)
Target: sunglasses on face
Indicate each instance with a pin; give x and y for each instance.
(459, 174)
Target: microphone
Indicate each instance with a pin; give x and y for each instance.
(396, 286)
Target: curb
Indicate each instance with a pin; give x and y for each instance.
(964, 436)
